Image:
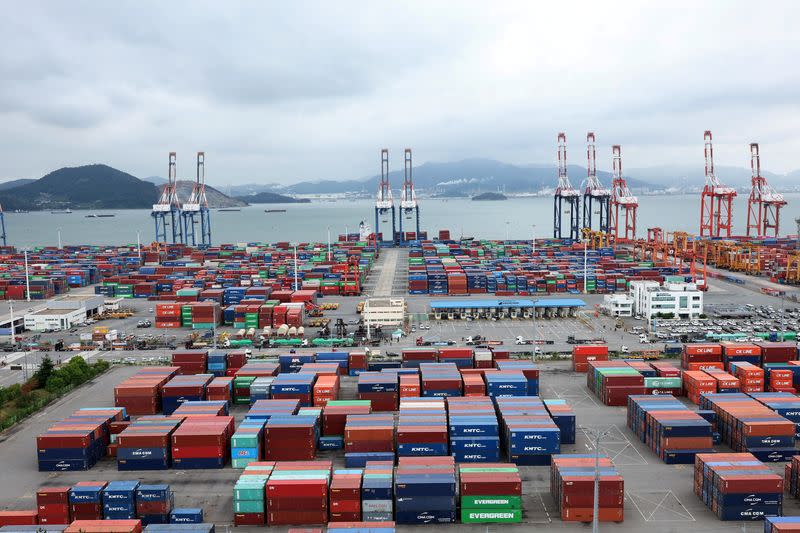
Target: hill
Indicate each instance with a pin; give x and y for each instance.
(468, 175)
(489, 196)
(272, 198)
(14, 183)
(215, 198)
(85, 187)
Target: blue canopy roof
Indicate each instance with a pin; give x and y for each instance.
(506, 303)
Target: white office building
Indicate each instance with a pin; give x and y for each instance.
(683, 300)
(384, 312)
(618, 304)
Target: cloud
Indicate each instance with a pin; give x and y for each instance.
(312, 90)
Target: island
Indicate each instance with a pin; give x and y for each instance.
(490, 196)
(272, 198)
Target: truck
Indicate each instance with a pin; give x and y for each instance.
(571, 339)
(421, 342)
(521, 341)
(477, 340)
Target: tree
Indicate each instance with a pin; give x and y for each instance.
(45, 370)
(55, 384)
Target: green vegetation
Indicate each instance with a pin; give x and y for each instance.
(22, 400)
(88, 187)
(272, 198)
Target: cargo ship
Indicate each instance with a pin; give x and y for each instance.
(100, 216)
(274, 210)
(66, 211)
(228, 209)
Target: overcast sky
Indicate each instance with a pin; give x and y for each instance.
(290, 91)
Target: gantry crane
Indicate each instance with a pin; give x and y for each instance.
(716, 201)
(622, 223)
(408, 197)
(197, 206)
(384, 203)
(594, 194)
(565, 197)
(2, 226)
(764, 204)
(168, 204)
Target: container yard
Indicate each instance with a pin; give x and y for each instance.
(269, 428)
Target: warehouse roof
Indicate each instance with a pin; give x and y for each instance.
(506, 303)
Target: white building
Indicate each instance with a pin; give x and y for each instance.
(64, 312)
(384, 312)
(54, 319)
(683, 300)
(618, 304)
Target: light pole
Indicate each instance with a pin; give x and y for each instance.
(11, 312)
(295, 266)
(585, 260)
(329, 243)
(507, 226)
(27, 278)
(533, 241)
(59, 239)
(596, 435)
(139, 246)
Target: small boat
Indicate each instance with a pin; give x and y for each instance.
(274, 210)
(228, 209)
(66, 211)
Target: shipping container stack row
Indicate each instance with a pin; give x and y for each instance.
(141, 393)
(242, 273)
(474, 430)
(78, 441)
(737, 486)
(110, 501)
(583, 354)
(490, 493)
(572, 480)
(425, 490)
(613, 381)
(785, 404)
(422, 427)
(503, 268)
(673, 432)
(529, 434)
(747, 425)
(700, 356)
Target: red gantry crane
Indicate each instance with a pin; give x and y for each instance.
(622, 223)
(716, 202)
(565, 194)
(764, 204)
(594, 194)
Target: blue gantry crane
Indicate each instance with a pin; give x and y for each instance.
(167, 211)
(409, 207)
(384, 203)
(566, 198)
(594, 194)
(197, 207)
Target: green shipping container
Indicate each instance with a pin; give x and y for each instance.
(491, 502)
(248, 506)
(662, 383)
(491, 516)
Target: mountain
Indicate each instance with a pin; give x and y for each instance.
(272, 198)
(85, 187)
(155, 180)
(14, 183)
(468, 175)
(686, 176)
(215, 198)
